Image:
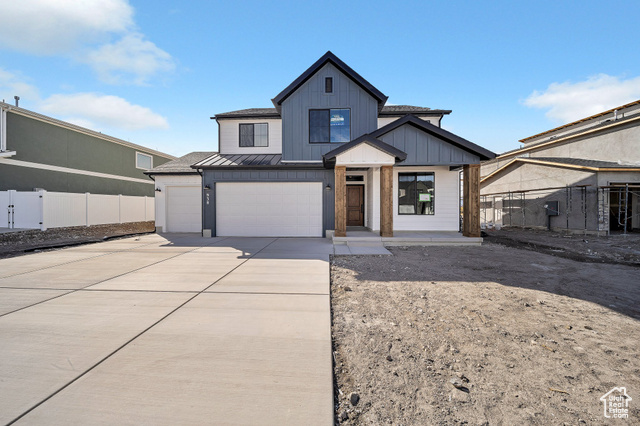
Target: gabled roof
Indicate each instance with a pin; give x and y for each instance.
(439, 132)
(369, 140)
(179, 166)
(344, 68)
(568, 163)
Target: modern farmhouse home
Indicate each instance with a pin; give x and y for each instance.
(329, 155)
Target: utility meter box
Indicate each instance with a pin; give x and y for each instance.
(552, 208)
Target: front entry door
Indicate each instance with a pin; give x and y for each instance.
(355, 205)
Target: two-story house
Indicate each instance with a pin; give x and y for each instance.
(328, 156)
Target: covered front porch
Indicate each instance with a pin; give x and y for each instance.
(374, 193)
(361, 236)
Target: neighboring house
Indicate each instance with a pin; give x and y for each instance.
(332, 155)
(40, 152)
(585, 174)
(179, 194)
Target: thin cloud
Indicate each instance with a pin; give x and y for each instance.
(569, 101)
(12, 84)
(132, 59)
(103, 110)
(99, 33)
(50, 27)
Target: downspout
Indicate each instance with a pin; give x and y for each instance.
(3, 130)
(199, 171)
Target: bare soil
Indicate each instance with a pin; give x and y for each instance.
(21, 242)
(617, 248)
(527, 338)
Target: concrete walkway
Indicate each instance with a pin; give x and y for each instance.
(166, 330)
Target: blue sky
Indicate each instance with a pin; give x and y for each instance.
(153, 72)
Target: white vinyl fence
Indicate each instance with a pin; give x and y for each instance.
(43, 210)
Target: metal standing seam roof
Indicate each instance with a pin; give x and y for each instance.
(247, 160)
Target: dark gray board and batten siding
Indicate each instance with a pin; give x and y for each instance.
(295, 113)
(212, 177)
(425, 149)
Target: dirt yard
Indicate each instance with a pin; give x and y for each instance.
(616, 248)
(482, 335)
(17, 243)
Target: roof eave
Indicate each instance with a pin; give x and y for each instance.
(482, 153)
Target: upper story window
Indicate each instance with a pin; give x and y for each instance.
(416, 193)
(254, 134)
(329, 125)
(144, 161)
(328, 85)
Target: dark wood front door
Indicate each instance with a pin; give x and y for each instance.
(355, 205)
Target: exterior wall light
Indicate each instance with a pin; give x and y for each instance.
(328, 187)
(207, 187)
(158, 190)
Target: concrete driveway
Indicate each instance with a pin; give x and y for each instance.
(173, 329)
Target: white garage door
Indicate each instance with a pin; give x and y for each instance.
(184, 209)
(269, 209)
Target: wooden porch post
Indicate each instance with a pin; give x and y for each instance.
(471, 200)
(340, 173)
(386, 201)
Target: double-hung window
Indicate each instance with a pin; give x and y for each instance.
(416, 193)
(254, 134)
(329, 125)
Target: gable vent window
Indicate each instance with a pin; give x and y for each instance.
(328, 85)
(254, 135)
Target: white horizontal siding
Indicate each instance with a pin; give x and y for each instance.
(229, 142)
(447, 202)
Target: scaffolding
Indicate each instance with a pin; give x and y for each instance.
(586, 208)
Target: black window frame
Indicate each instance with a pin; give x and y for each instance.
(329, 110)
(253, 135)
(415, 201)
(328, 85)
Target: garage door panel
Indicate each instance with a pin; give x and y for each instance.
(269, 209)
(184, 209)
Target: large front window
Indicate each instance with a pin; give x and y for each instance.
(329, 125)
(416, 193)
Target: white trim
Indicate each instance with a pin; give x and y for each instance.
(7, 153)
(31, 165)
(146, 155)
